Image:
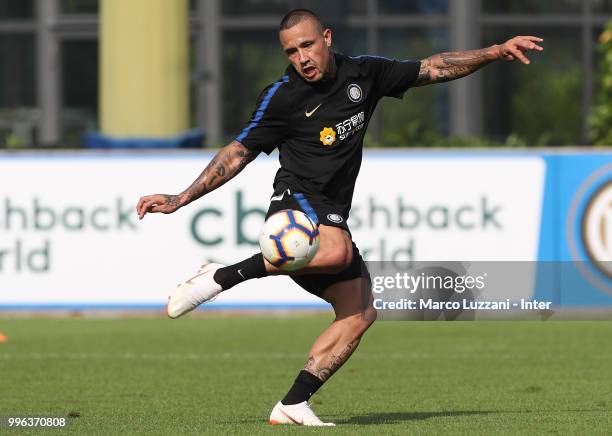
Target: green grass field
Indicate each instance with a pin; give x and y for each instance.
(222, 374)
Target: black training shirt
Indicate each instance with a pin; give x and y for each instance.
(319, 127)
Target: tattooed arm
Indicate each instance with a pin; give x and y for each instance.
(228, 162)
(444, 67)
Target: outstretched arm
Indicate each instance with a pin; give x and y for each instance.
(444, 67)
(228, 162)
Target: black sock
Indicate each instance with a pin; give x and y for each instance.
(304, 387)
(250, 268)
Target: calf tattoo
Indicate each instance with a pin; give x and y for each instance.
(324, 369)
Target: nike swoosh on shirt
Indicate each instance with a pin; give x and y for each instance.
(240, 272)
(309, 114)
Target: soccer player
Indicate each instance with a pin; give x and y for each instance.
(316, 114)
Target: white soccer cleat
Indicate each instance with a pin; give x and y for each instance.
(296, 414)
(199, 289)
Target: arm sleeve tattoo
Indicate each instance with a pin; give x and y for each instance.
(226, 164)
(444, 67)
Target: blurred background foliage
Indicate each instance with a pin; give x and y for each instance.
(601, 118)
(562, 98)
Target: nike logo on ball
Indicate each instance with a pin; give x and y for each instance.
(309, 114)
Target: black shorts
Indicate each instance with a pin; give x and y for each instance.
(320, 213)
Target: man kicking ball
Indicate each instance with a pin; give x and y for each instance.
(316, 115)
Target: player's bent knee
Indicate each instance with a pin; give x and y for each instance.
(336, 259)
(360, 323)
(369, 315)
(348, 259)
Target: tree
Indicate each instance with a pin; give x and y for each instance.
(601, 116)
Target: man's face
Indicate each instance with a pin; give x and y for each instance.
(307, 48)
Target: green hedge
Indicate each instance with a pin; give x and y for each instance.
(601, 117)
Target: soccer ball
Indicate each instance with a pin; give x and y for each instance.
(289, 240)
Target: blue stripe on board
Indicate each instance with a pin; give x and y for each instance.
(262, 108)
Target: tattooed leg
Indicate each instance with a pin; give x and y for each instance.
(338, 342)
(328, 363)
